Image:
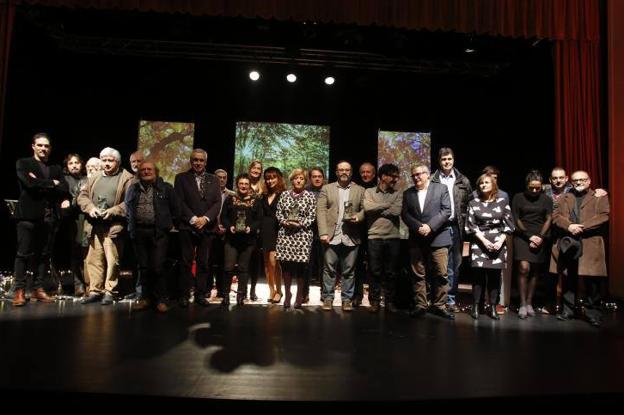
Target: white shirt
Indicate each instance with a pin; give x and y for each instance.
(449, 181)
(422, 195)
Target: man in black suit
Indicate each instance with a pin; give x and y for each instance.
(426, 209)
(42, 187)
(200, 199)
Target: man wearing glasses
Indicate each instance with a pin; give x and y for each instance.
(382, 205)
(581, 218)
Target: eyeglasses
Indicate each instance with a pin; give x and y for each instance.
(419, 173)
(583, 180)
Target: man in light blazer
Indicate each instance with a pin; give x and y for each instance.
(339, 215)
(426, 209)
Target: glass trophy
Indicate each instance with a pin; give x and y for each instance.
(293, 214)
(348, 211)
(241, 222)
(101, 205)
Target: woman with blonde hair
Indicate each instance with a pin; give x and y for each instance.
(491, 222)
(296, 212)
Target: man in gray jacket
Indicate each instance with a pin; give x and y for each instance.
(339, 214)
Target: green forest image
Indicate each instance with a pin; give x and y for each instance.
(168, 144)
(405, 150)
(285, 146)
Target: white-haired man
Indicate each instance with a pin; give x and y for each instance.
(102, 200)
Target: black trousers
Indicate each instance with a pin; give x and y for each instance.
(217, 266)
(151, 252)
(383, 257)
(35, 242)
(238, 252)
(572, 300)
(196, 247)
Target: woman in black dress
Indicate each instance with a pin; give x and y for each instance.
(532, 211)
(274, 186)
(490, 221)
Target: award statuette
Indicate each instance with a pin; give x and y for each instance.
(348, 211)
(293, 214)
(101, 205)
(241, 222)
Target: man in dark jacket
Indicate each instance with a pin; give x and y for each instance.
(42, 187)
(153, 211)
(459, 191)
(200, 201)
(426, 209)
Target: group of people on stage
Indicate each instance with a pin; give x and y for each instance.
(308, 228)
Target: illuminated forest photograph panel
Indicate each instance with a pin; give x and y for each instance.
(406, 150)
(285, 146)
(168, 144)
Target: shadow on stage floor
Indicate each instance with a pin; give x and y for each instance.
(92, 353)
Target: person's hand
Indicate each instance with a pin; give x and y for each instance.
(532, 245)
(94, 212)
(65, 204)
(600, 192)
(536, 240)
(424, 230)
(107, 214)
(352, 219)
(247, 229)
(220, 229)
(496, 246)
(232, 229)
(324, 239)
(32, 175)
(575, 228)
(56, 182)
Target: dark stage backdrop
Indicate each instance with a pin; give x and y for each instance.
(87, 102)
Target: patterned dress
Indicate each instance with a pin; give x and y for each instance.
(294, 244)
(493, 219)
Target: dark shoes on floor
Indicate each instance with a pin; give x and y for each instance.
(417, 312)
(442, 312)
(107, 299)
(91, 298)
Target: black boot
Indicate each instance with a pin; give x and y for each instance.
(474, 313)
(493, 313)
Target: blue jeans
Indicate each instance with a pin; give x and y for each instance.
(454, 262)
(345, 257)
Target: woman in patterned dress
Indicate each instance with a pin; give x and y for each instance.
(240, 216)
(490, 221)
(296, 212)
(274, 181)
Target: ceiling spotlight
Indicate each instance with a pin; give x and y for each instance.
(291, 77)
(330, 80)
(469, 50)
(254, 75)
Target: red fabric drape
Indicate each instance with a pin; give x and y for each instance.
(577, 112)
(7, 13)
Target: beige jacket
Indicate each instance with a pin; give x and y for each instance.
(327, 211)
(85, 201)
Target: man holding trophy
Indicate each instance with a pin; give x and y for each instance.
(339, 214)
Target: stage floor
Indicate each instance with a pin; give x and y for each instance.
(262, 352)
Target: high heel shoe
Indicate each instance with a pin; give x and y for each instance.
(277, 297)
(240, 300)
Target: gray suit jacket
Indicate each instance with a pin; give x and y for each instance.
(435, 213)
(327, 211)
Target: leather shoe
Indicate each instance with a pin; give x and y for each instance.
(474, 313)
(417, 312)
(594, 322)
(493, 314)
(19, 299)
(442, 312)
(565, 316)
(347, 305)
(40, 295)
(91, 298)
(201, 301)
(328, 304)
(183, 301)
(162, 308)
(107, 299)
(140, 305)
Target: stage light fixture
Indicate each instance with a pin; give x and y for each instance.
(330, 80)
(291, 77)
(469, 50)
(254, 75)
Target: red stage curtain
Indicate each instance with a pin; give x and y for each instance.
(577, 108)
(7, 13)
